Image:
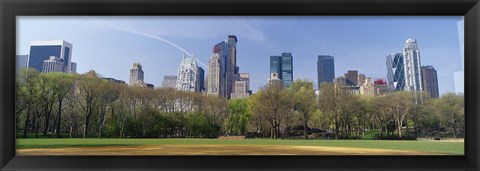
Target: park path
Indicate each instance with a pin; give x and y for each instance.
(196, 149)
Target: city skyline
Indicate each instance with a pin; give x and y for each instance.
(159, 57)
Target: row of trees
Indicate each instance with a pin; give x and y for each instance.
(70, 105)
(348, 115)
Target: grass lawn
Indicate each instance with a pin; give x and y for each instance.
(454, 148)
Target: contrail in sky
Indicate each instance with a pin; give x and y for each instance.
(154, 37)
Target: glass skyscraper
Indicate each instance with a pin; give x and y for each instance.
(325, 69)
(283, 66)
(430, 81)
(459, 75)
(395, 71)
(42, 50)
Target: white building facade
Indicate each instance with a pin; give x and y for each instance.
(187, 74)
(53, 64)
(411, 62)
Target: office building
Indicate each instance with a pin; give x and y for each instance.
(242, 86)
(169, 81)
(42, 50)
(283, 66)
(215, 79)
(351, 77)
(411, 64)
(430, 81)
(53, 64)
(200, 81)
(275, 81)
(136, 75)
(395, 72)
(231, 64)
(381, 87)
(325, 69)
(20, 62)
(73, 68)
(187, 78)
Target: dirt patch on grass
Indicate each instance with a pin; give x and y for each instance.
(196, 149)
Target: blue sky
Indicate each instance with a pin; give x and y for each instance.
(110, 45)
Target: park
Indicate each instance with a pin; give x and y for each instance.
(189, 146)
(64, 114)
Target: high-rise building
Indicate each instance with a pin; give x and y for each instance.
(325, 69)
(136, 75)
(53, 64)
(73, 68)
(20, 62)
(231, 64)
(395, 72)
(352, 77)
(169, 81)
(228, 70)
(283, 66)
(42, 50)
(187, 77)
(287, 69)
(411, 64)
(430, 81)
(215, 79)
(200, 87)
(459, 75)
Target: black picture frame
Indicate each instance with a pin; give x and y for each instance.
(9, 9)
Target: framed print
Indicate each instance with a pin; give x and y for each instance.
(239, 85)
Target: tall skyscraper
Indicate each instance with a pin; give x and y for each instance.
(287, 69)
(411, 63)
(395, 72)
(215, 79)
(42, 50)
(136, 75)
(283, 66)
(459, 75)
(325, 69)
(200, 87)
(20, 62)
(169, 81)
(231, 64)
(430, 81)
(187, 77)
(352, 77)
(53, 64)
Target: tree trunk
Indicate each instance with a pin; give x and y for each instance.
(59, 115)
(25, 129)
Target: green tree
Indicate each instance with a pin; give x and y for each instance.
(451, 109)
(304, 101)
(239, 115)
